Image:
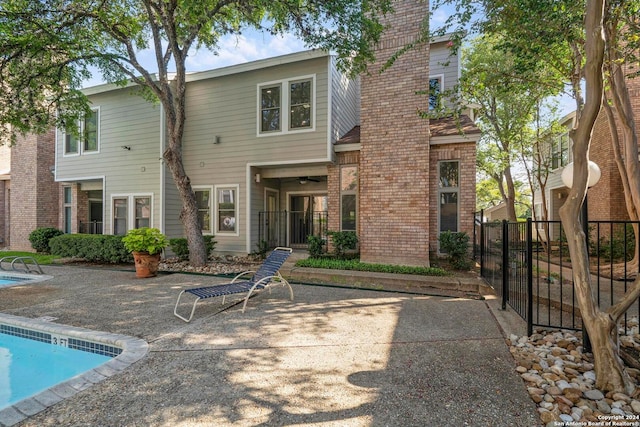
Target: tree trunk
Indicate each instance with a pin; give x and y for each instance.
(511, 196)
(601, 327)
(173, 105)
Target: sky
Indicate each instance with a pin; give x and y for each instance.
(253, 45)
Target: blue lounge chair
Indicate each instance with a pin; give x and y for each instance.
(266, 276)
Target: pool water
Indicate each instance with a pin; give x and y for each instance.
(4, 280)
(28, 367)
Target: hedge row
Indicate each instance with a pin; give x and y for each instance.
(91, 247)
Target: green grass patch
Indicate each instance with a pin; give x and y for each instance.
(354, 264)
(42, 259)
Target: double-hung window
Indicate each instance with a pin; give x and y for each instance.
(226, 207)
(286, 106)
(86, 139)
(561, 154)
(131, 211)
(448, 195)
(300, 104)
(348, 197)
(270, 108)
(67, 209)
(203, 201)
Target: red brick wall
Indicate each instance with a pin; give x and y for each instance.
(394, 162)
(34, 195)
(606, 199)
(4, 217)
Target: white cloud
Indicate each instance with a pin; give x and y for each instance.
(244, 48)
(232, 50)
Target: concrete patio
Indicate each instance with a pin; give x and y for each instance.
(332, 357)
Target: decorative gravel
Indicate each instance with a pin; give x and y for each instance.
(217, 265)
(560, 379)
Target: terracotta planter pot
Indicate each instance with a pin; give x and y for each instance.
(146, 264)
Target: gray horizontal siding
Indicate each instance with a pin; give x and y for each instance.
(345, 108)
(125, 120)
(443, 62)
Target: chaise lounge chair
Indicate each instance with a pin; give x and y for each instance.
(266, 276)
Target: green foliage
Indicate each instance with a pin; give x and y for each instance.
(316, 246)
(616, 247)
(456, 246)
(145, 239)
(180, 247)
(101, 248)
(343, 241)
(262, 247)
(356, 265)
(40, 238)
(42, 259)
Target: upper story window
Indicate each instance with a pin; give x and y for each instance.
(300, 104)
(560, 152)
(286, 106)
(435, 90)
(270, 108)
(87, 139)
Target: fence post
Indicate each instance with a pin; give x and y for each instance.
(529, 277)
(505, 263)
(482, 230)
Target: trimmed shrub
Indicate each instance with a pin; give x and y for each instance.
(40, 238)
(100, 248)
(342, 242)
(456, 246)
(316, 246)
(180, 247)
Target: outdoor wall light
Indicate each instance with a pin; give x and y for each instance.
(216, 140)
(257, 177)
(594, 174)
(126, 147)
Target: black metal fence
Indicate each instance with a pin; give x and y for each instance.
(93, 227)
(527, 263)
(291, 228)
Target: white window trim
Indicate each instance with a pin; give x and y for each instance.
(235, 187)
(131, 208)
(81, 151)
(211, 206)
(285, 102)
(441, 78)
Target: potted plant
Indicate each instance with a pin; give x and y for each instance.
(146, 245)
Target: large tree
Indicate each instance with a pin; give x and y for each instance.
(506, 99)
(47, 48)
(572, 37)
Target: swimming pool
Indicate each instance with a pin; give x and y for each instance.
(29, 366)
(15, 279)
(100, 354)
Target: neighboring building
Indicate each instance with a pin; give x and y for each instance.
(28, 193)
(496, 213)
(606, 200)
(282, 148)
